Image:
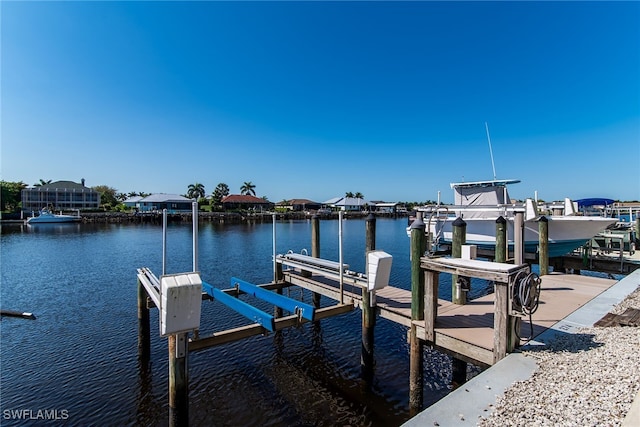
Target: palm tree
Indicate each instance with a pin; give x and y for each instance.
(219, 193)
(195, 191)
(42, 182)
(348, 194)
(248, 189)
(359, 195)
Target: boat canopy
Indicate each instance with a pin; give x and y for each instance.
(583, 203)
(481, 193)
(491, 183)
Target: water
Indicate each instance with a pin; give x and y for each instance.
(79, 358)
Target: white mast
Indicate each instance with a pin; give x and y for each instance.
(490, 150)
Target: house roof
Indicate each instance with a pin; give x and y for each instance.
(332, 201)
(62, 185)
(244, 198)
(351, 201)
(133, 199)
(165, 198)
(302, 202)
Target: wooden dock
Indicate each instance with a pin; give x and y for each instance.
(481, 331)
(467, 331)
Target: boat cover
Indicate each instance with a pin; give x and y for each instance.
(593, 202)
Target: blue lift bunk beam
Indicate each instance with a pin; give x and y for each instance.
(265, 320)
(303, 310)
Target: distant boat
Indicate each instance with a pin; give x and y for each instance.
(46, 216)
(480, 203)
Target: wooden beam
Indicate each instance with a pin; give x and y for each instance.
(236, 334)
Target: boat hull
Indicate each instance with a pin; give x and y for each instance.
(566, 233)
(49, 218)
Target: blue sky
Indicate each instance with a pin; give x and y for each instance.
(315, 99)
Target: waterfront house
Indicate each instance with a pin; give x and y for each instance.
(347, 204)
(246, 201)
(173, 203)
(298, 205)
(384, 207)
(60, 195)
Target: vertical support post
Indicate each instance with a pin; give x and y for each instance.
(164, 242)
(368, 306)
(178, 381)
(543, 255)
(277, 271)
(315, 251)
(459, 239)
(458, 294)
(340, 256)
(638, 230)
(501, 321)
(273, 241)
(194, 217)
(501, 240)
(416, 368)
(431, 279)
(144, 328)
(518, 238)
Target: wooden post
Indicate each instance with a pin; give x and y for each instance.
(416, 368)
(458, 296)
(543, 255)
(459, 239)
(431, 279)
(501, 240)
(368, 312)
(279, 276)
(144, 334)
(315, 251)
(178, 381)
(501, 322)
(518, 238)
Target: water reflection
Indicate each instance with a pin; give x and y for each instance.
(80, 282)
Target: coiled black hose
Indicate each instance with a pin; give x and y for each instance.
(526, 297)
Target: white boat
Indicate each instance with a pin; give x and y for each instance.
(480, 204)
(46, 216)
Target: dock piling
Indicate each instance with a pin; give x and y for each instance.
(315, 251)
(368, 311)
(518, 238)
(501, 240)
(543, 255)
(416, 367)
(144, 328)
(178, 381)
(458, 296)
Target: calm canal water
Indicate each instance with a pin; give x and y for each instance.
(79, 357)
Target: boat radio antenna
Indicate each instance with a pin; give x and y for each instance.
(486, 126)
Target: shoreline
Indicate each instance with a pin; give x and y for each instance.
(156, 217)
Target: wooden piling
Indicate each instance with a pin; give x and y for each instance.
(459, 239)
(144, 328)
(518, 238)
(458, 296)
(368, 312)
(416, 367)
(543, 255)
(178, 381)
(501, 240)
(315, 251)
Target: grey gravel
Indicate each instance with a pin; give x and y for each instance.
(589, 378)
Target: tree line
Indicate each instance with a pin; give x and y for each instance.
(111, 199)
(11, 194)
